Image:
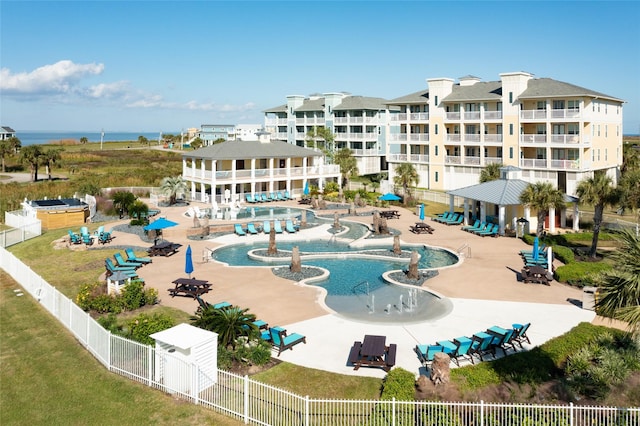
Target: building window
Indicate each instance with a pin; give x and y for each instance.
(499, 152)
(598, 106)
(558, 104)
(510, 97)
(436, 129)
(573, 129)
(541, 105)
(436, 176)
(511, 129)
(436, 150)
(541, 153)
(617, 130)
(436, 101)
(606, 130)
(598, 130)
(598, 154)
(510, 152)
(574, 105)
(606, 155)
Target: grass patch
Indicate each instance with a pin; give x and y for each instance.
(320, 384)
(48, 378)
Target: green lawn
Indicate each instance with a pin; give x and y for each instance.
(47, 378)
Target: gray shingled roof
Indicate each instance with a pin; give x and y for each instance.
(359, 103)
(281, 108)
(311, 105)
(480, 91)
(241, 150)
(545, 87)
(7, 129)
(502, 192)
(420, 97)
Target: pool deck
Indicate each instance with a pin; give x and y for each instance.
(484, 290)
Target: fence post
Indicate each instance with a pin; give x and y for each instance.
(481, 413)
(393, 411)
(571, 414)
(246, 399)
(149, 362)
(306, 410)
(109, 349)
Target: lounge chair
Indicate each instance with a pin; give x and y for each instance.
(251, 228)
(277, 226)
(266, 227)
(475, 226)
(541, 249)
(427, 352)
(249, 198)
(445, 216)
(131, 257)
(86, 238)
(493, 232)
(503, 342)
(111, 268)
(264, 198)
(104, 238)
(280, 197)
(457, 348)
(475, 229)
(290, 228)
(282, 341)
(74, 238)
(521, 334)
(456, 220)
(286, 195)
(487, 228)
(272, 197)
(238, 229)
(99, 231)
(121, 262)
(481, 345)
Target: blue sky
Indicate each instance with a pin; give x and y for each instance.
(164, 66)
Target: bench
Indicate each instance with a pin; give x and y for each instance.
(390, 356)
(354, 354)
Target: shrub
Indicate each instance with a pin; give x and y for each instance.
(86, 294)
(225, 358)
(399, 384)
(104, 303)
(330, 187)
(260, 353)
(564, 254)
(151, 296)
(133, 295)
(110, 322)
(579, 274)
(143, 325)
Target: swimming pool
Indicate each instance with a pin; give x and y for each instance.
(355, 287)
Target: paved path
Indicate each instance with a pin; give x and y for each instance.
(484, 291)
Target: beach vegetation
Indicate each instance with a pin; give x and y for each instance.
(490, 172)
(348, 165)
(406, 176)
(599, 192)
(173, 187)
(542, 196)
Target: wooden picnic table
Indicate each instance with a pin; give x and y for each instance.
(390, 214)
(421, 228)
(163, 248)
(373, 352)
(189, 287)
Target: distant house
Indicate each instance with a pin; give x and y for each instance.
(6, 133)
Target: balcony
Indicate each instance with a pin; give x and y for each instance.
(493, 138)
(453, 116)
(492, 160)
(419, 137)
(261, 175)
(565, 114)
(398, 137)
(453, 138)
(371, 152)
(347, 120)
(281, 136)
(450, 159)
(471, 161)
(533, 163)
(356, 136)
(403, 158)
(554, 114)
(276, 122)
(397, 158)
(399, 117)
(493, 115)
(472, 115)
(533, 139)
(533, 114)
(419, 116)
(565, 139)
(419, 158)
(472, 138)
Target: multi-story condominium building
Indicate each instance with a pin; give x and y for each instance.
(209, 133)
(553, 131)
(357, 123)
(246, 132)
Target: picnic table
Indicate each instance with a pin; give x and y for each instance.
(390, 214)
(421, 228)
(189, 287)
(373, 352)
(163, 248)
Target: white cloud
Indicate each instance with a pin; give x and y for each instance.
(60, 77)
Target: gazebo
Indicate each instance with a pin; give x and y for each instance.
(504, 194)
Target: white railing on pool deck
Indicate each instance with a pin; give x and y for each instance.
(257, 403)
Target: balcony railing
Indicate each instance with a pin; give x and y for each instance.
(472, 115)
(453, 116)
(565, 139)
(453, 138)
(419, 158)
(470, 137)
(450, 159)
(281, 136)
(492, 160)
(398, 137)
(533, 114)
(397, 158)
(399, 117)
(493, 137)
(365, 152)
(419, 137)
(536, 139)
(346, 120)
(261, 174)
(493, 115)
(419, 116)
(542, 114)
(565, 113)
(473, 161)
(533, 163)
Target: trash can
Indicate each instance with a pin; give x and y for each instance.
(589, 298)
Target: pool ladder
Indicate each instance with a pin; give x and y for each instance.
(361, 284)
(461, 250)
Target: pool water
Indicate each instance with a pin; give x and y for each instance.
(355, 287)
(265, 213)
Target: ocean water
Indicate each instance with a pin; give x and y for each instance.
(42, 137)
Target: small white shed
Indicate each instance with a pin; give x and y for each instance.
(186, 359)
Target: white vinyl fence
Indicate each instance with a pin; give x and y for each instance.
(23, 228)
(259, 404)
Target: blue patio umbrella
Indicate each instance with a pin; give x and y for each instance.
(536, 243)
(306, 188)
(159, 224)
(188, 265)
(389, 197)
(422, 212)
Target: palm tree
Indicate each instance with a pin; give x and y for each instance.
(629, 192)
(122, 201)
(8, 148)
(229, 323)
(542, 196)
(142, 140)
(406, 176)
(348, 165)
(196, 143)
(50, 157)
(630, 158)
(598, 191)
(31, 155)
(173, 187)
(619, 288)
(84, 140)
(317, 134)
(137, 209)
(490, 172)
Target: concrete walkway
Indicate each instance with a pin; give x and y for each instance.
(484, 290)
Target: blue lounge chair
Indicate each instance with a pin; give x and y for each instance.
(454, 217)
(541, 249)
(104, 238)
(74, 238)
(290, 228)
(503, 339)
(238, 229)
(111, 268)
(521, 334)
(282, 341)
(286, 195)
(427, 352)
(84, 231)
(221, 305)
(264, 198)
(86, 238)
(99, 231)
(251, 228)
(463, 344)
(266, 227)
(491, 231)
(481, 345)
(131, 257)
(121, 262)
(272, 197)
(277, 226)
(456, 220)
(475, 226)
(280, 197)
(249, 198)
(483, 228)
